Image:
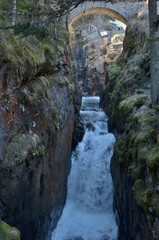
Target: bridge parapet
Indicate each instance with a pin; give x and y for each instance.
(122, 11)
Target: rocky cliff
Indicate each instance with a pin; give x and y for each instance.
(135, 163)
(38, 111)
(97, 42)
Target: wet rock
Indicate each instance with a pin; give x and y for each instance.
(75, 238)
(77, 134)
(90, 127)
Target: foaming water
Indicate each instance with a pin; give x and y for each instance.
(88, 213)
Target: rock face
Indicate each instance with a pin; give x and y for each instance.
(96, 49)
(135, 164)
(89, 57)
(38, 108)
(132, 221)
(37, 122)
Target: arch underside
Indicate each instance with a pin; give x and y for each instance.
(98, 10)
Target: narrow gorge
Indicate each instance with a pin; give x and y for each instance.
(65, 174)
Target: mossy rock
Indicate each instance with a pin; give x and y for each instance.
(120, 150)
(142, 194)
(34, 90)
(17, 51)
(135, 171)
(142, 151)
(145, 135)
(8, 233)
(63, 81)
(152, 158)
(137, 100)
(21, 148)
(30, 49)
(147, 116)
(114, 71)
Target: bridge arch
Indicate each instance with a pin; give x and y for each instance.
(102, 11)
(122, 10)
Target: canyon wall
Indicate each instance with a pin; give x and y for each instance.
(135, 163)
(39, 108)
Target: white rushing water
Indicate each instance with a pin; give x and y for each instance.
(88, 213)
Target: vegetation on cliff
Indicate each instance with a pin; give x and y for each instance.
(35, 70)
(8, 233)
(31, 40)
(128, 98)
(35, 38)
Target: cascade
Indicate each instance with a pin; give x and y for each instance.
(88, 212)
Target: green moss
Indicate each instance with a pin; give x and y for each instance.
(119, 59)
(141, 156)
(62, 81)
(3, 20)
(120, 149)
(21, 148)
(39, 150)
(145, 135)
(26, 5)
(71, 31)
(114, 71)
(20, 51)
(142, 194)
(152, 158)
(28, 49)
(135, 171)
(147, 116)
(5, 5)
(128, 104)
(8, 233)
(128, 96)
(34, 90)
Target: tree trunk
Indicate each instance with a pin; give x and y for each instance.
(154, 51)
(14, 11)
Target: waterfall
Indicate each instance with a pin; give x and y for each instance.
(88, 213)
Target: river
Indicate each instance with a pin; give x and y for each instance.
(88, 212)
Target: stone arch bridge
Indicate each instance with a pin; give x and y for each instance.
(121, 10)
